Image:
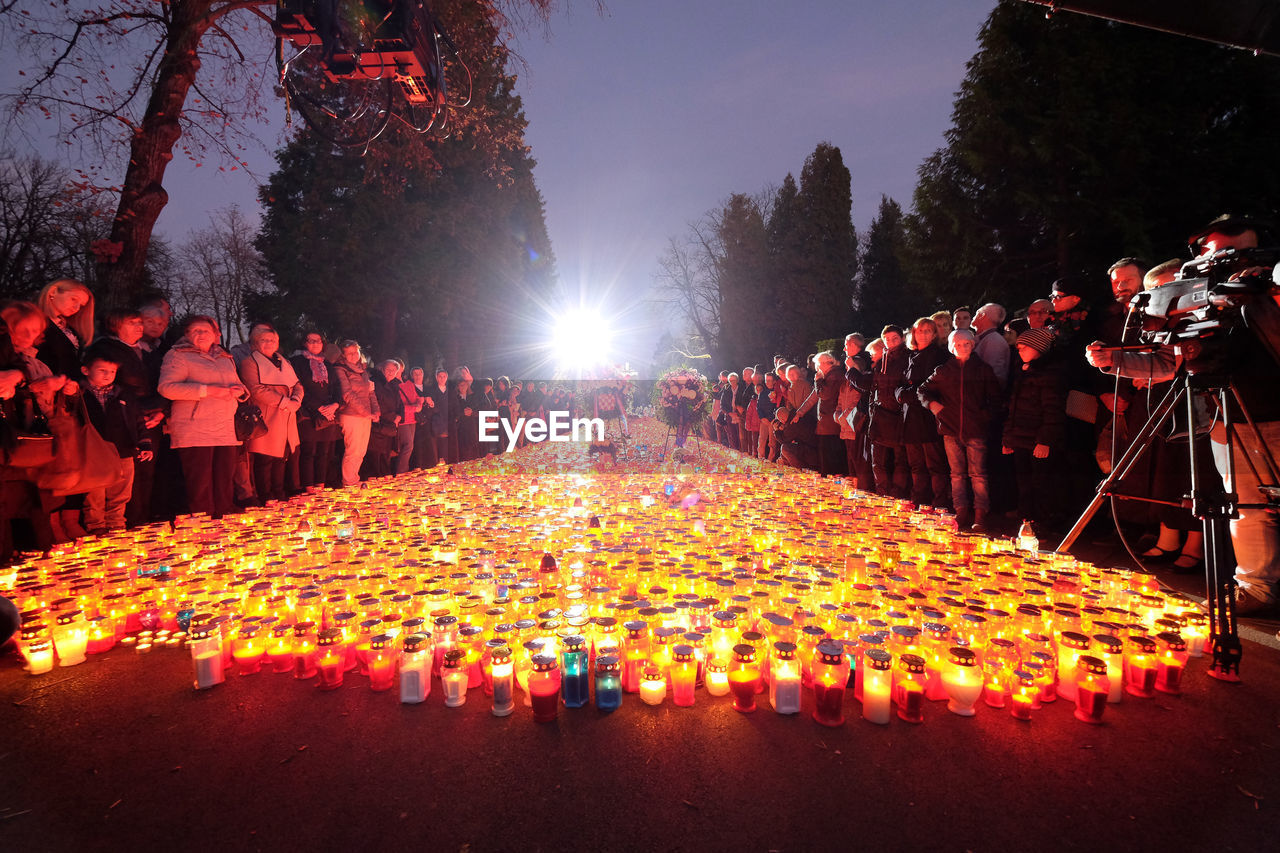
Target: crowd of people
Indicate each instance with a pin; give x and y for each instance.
(1013, 420)
(190, 425)
(1004, 421)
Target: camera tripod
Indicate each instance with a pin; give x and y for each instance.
(1209, 501)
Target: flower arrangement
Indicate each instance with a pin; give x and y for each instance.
(681, 400)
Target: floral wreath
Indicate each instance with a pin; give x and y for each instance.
(680, 398)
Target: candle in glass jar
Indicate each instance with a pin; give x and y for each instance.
(963, 681)
(1026, 693)
(248, 650)
(331, 658)
(453, 678)
(1140, 667)
(634, 655)
(684, 675)
(608, 683)
(501, 674)
(206, 656)
(717, 678)
(830, 677)
(544, 688)
(574, 675)
(1171, 662)
(744, 678)
(415, 669)
(380, 660)
(877, 684)
(653, 686)
(304, 650)
(280, 649)
(909, 691)
(1092, 687)
(784, 683)
(39, 656)
(1071, 645)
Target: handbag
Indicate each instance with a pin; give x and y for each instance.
(85, 460)
(250, 423)
(23, 448)
(1082, 406)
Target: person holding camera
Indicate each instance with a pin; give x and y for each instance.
(1254, 371)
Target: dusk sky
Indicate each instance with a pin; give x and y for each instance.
(645, 117)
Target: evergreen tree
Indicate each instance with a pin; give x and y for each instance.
(885, 295)
(436, 250)
(819, 305)
(744, 284)
(786, 256)
(1075, 141)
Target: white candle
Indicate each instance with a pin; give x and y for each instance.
(717, 682)
(784, 689)
(40, 660)
(209, 669)
(876, 706)
(654, 691)
(71, 647)
(964, 686)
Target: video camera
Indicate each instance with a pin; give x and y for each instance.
(1206, 299)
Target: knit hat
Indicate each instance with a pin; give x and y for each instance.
(1039, 340)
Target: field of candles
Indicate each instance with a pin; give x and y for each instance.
(597, 647)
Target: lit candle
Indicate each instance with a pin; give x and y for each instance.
(415, 669)
(830, 676)
(1025, 696)
(1140, 667)
(453, 678)
(717, 678)
(684, 675)
(574, 682)
(909, 691)
(635, 653)
(39, 656)
(304, 650)
(784, 684)
(1092, 688)
(206, 655)
(544, 688)
(962, 681)
(331, 661)
(1110, 649)
(608, 683)
(653, 686)
(501, 669)
(744, 678)
(70, 639)
(1070, 646)
(381, 663)
(877, 683)
(248, 650)
(280, 650)
(1171, 662)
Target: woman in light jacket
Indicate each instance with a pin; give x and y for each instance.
(357, 409)
(274, 387)
(199, 376)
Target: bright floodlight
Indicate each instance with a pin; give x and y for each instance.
(581, 339)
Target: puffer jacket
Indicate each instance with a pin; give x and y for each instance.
(196, 419)
(356, 396)
(969, 394)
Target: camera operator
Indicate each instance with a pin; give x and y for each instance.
(1255, 535)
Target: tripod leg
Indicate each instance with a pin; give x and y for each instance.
(1211, 503)
(1136, 448)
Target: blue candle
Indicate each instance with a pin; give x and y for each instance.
(574, 685)
(608, 683)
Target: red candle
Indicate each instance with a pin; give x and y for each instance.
(544, 688)
(1092, 688)
(332, 662)
(381, 663)
(744, 678)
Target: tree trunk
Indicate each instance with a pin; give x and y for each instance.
(142, 196)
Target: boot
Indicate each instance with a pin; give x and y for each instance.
(964, 518)
(980, 523)
(71, 523)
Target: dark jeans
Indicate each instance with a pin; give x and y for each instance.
(858, 458)
(405, 435)
(314, 458)
(1038, 483)
(889, 464)
(930, 483)
(209, 473)
(968, 461)
(831, 461)
(268, 476)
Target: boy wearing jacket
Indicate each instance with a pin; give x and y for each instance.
(118, 417)
(963, 395)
